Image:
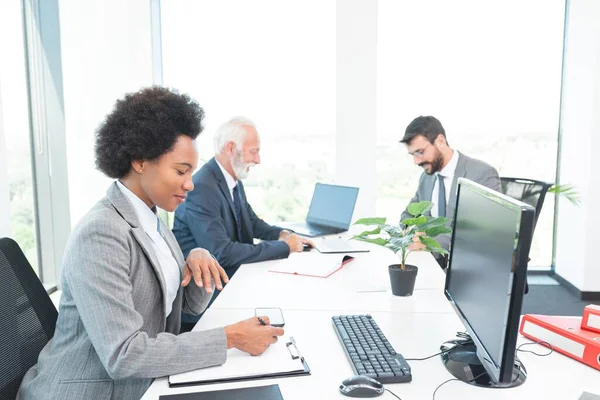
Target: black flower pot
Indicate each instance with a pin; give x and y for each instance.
(403, 280)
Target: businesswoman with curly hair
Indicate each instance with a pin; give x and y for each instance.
(124, 279)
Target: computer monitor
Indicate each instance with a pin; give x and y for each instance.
(485, 283)
(332, 205)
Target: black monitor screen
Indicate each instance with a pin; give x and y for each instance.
(332, 205)
(485, 254)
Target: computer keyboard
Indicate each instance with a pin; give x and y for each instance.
(369, 351)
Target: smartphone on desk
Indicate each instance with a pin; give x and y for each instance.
(275, 315)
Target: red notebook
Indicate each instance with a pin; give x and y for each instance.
(565, 335)
(315, 265)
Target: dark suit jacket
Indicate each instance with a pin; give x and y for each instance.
(467, 167)
(207, 219)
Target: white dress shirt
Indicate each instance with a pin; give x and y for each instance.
(448, 173)
(168, 264)
(231, 183)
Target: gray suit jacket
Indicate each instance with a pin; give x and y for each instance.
(467, 167)
(112, 335)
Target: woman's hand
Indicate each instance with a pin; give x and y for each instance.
(201, 265)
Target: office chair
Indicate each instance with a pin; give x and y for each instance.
(528, 191)
(28, 317)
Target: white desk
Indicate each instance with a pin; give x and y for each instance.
(348, 289)
(414, 335)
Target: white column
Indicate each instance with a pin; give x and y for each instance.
(356, 97)
(106, 52)
(4, 188)
(578, 228)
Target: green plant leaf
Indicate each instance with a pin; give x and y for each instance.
(416, 209)
(568, 191)
(432, 245)
(377, 241)
(371, 221)
(393, 230)
(415, 221)
(367, 233)
(437, 230)
(440, 250)
(435, 221)
(401, 241)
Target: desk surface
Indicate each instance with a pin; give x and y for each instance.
(415, 335)
(361, 285)
(415, 325)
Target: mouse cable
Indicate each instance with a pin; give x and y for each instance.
(392, 393)
(518, 349)
(462, 335)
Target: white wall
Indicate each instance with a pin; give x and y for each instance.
(578, 227)
(106, 52)
(4, 188)
(356, 99)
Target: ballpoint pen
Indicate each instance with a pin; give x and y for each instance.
(262, 321)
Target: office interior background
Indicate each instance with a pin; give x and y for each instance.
(331, 86)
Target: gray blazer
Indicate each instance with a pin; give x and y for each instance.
(112, 335)
(467, 167)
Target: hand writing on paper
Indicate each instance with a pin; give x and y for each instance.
(251, 336)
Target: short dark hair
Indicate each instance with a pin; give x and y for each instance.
(143, 126)
(429, 127)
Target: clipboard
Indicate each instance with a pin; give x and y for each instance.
(282, 359)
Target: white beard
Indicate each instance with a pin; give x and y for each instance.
(240, 168)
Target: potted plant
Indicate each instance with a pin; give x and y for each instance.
(398, 238)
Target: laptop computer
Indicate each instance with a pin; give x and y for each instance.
(330, 211)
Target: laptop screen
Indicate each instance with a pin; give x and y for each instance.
(332, 205)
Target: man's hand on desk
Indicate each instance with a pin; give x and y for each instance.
(203, 267)
(294, 242)
(416, 245)
(251, 336)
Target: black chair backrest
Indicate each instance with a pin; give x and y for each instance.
(528, 191)
(28, 317)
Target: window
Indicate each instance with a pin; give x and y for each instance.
(273, 62)
(492, 80)
(14, 118)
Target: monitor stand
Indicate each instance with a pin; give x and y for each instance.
(460, 359)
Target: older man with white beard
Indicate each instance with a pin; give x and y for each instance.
(216, 214)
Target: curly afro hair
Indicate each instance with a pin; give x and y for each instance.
(143, 126)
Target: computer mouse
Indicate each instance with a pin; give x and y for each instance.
(361, 386)
(306, 247)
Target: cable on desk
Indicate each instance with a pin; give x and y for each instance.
(518, 349)
(462, 335)
(546, 344)
(392, 393)
(453, 379)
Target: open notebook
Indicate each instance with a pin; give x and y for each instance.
(280, 359)
(316, 265)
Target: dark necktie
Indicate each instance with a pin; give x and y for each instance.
(237, 206)
(441, 197)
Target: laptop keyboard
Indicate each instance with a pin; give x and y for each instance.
(368, 350)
